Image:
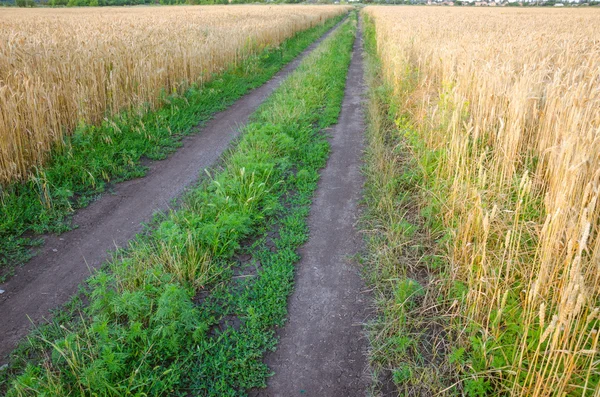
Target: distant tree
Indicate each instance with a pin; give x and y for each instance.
(25, 3)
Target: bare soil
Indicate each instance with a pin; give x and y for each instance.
(64, 262)
(322, 348)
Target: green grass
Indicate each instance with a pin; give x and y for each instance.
(410, 349)
(177, 313)
(95, 157)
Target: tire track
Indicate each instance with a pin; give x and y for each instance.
(322, 348)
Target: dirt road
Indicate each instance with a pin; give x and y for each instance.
(322, 348)
(53, 276)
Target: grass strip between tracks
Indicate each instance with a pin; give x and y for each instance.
(96, 156)
(180, 312)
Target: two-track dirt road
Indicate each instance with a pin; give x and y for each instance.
(53, 276)
(322, 349)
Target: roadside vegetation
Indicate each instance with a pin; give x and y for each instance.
(483, 189)
(191, 307)
(409, 336)
(83, 164)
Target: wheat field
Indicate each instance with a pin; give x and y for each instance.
(509, 101)
(60, 68)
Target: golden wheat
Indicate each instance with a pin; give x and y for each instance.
(62, 67)
(510, 98)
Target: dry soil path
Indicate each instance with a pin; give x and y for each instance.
(53, 276)
(322, 348)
